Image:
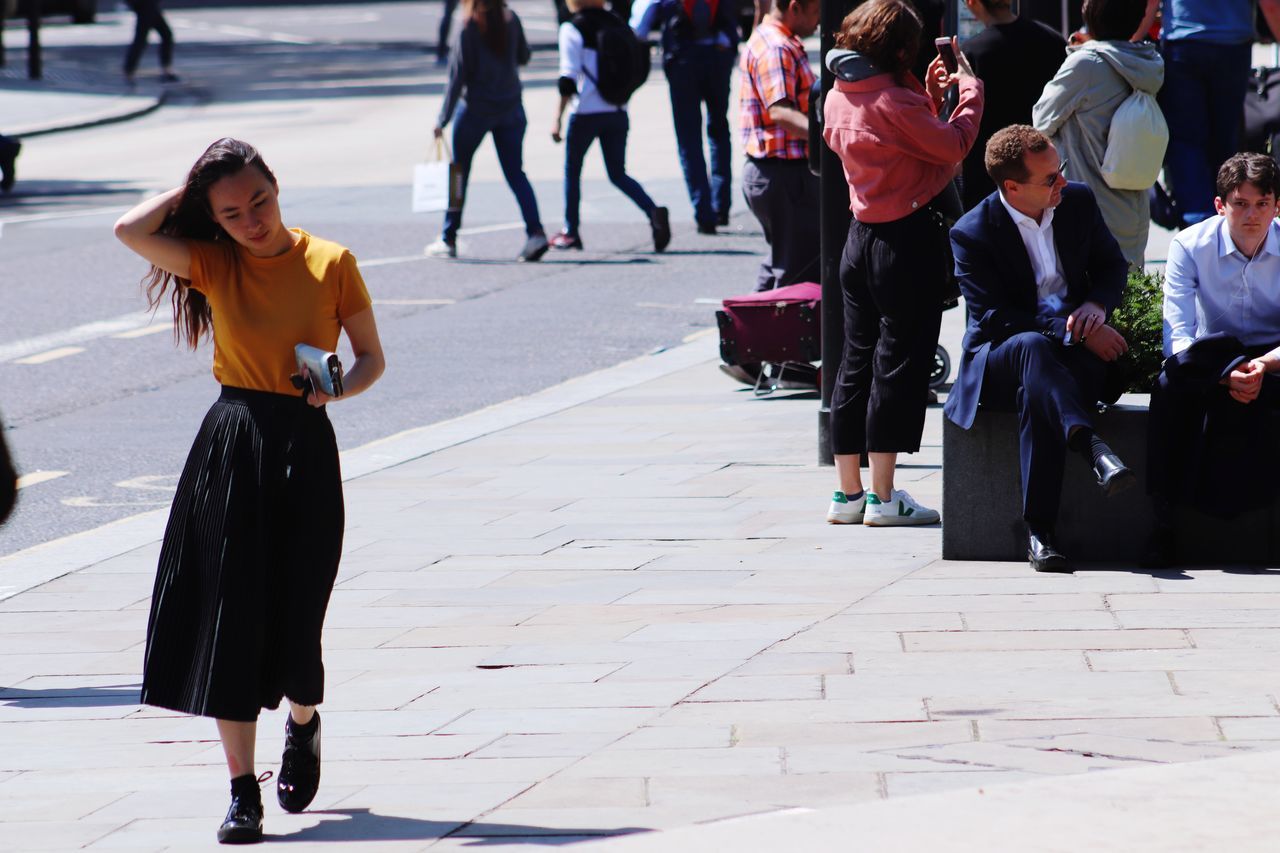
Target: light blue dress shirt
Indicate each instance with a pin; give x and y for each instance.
(1210, 286)
(1212, 21)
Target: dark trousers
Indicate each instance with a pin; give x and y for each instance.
(149, 18)
(783, 195)
(698, 75)
(469, 130)
(1054, 389)
(1208, 451)
(611, 129)
(1202, 98)
(891, 276)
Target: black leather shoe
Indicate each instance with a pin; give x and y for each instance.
(722, 219)
(243, 824)
(299, 777)
(660, 224)
(706, 228)
(1113, 475)
(1160, 551)
(1044, 557)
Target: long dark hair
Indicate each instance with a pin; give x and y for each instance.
(491, 19)
(192, 219)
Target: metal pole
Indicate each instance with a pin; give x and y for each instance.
(833, 200)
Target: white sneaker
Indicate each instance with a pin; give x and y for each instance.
(845, 511)
(901, 510)
(441, 249)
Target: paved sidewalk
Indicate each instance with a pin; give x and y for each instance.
(614, 606)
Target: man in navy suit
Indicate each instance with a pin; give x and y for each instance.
(1040, 273)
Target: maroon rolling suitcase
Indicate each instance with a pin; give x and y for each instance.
(780, 327)
(772, 326)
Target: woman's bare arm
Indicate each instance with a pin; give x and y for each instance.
(362, 332)
(137, 230)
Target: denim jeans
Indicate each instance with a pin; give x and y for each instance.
(469, 129)
(1202, 99)
(699, 75)
(611, 129)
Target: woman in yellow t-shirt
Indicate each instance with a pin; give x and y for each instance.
(254, 536)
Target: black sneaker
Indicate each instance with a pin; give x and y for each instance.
(299, 777)
(706, 228)
(9, 149)
(722, 219)
(660, 222)
(534, 248)
(243, 823)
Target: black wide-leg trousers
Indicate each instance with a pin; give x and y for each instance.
(892, 277)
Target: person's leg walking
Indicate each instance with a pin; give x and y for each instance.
(142, 10)
(446, 24)
(577, 139)
(716, 95)
(613, 145)
(508, 139)
(685, 85)
(468, 132)
(161, 27)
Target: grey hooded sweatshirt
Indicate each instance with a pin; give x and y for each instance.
(1075, 112)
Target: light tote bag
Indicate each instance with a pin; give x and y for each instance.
(437, 185)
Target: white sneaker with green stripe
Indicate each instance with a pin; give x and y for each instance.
(845, 511)
(900, 511)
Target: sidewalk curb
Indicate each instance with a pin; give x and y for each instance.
(87, 120)
(48, 561)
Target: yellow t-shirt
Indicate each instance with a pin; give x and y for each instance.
(263, 307)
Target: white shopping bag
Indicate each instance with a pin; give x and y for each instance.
(437, 185)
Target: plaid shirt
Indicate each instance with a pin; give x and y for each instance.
(774, 68)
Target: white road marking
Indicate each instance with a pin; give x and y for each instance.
(382, 262)
(36, 477)
(155, 482)
(414, 301)
(89, 501)
(45, 217)
(76, 335)
(489, 229)
(50, 355)
(144, 331)
(704, 300)
(243, 32)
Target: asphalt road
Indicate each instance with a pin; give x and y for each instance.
(340, 99)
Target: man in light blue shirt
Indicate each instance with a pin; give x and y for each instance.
(1213, 411)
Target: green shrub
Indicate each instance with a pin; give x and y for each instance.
(1140, 319)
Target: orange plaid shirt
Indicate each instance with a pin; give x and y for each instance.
(775, 68)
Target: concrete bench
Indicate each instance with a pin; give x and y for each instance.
(982, 501)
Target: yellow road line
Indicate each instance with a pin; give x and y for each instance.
(49, 355)
(37, 477)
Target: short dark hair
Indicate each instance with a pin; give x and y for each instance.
(1257, 169)
(1005, 157)
(885, 31)
(1113, 20)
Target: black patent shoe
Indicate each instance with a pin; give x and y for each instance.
(243, 823)
(299, 777)
(1112, 474)
(1042, 554)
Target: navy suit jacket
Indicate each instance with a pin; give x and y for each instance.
(999, 285)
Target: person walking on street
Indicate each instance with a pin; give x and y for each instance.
(483, 95)
(1078, 104)
(899, 156)
(446, 26)
(9, 150)
(149, 17)
(699, 49)
(774, 103)
(254, 536)
(591, 118)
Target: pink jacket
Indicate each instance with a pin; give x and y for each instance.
(897, 153)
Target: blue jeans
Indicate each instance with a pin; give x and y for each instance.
(1202, 99)
(611, 129)
(469, 130)
(700, 74)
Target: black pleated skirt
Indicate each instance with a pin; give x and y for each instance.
(249, 559)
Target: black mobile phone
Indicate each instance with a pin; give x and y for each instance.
(948, 53)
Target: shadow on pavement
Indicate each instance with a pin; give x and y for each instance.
(72, 697)
(364, 825)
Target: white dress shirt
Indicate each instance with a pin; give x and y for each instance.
(1210, 286)
(1051, 283)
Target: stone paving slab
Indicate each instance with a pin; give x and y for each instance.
(541, 671)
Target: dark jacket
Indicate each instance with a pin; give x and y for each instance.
(999, 285)
(490, 84)
(1014, 61)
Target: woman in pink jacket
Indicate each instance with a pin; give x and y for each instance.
(899, 157)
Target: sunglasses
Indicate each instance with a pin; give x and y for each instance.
(1051, 181)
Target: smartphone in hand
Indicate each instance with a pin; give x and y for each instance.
(948, 53)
